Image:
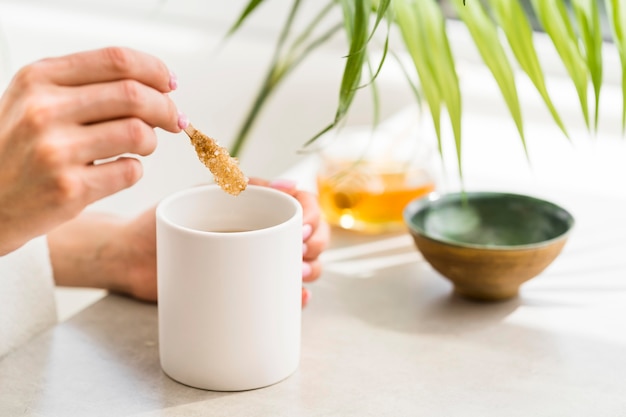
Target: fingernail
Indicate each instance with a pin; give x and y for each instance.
(183, 121)
(306, 270)
(307, 229)
(284, 185)
(306, 296)
(173, 81)
(305, 248)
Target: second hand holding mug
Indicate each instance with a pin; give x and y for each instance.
(229, 287)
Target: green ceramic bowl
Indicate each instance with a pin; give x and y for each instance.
(488, 243)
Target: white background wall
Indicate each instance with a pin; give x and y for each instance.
(218, 83)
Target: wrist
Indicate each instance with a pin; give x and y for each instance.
(79, 248)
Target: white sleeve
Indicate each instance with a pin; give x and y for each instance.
(27, 304)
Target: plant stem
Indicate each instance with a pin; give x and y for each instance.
(244, 131)
(280, 68)
(242, 135)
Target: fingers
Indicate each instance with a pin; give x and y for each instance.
(121, 99)
(306, 296)
(104, 179)
(317, 242)
(315, 232)
(312, 249)
(110, 139)
(61, 114)
(310, 209)
(106, 65)
(311, 270)
(258, 181)
(100, 85)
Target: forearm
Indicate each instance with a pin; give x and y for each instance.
(78, 247)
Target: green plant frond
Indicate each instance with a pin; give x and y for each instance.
(590, 31)
(408, 23)
(284, 34)
(375, 96)
(295, 57)
(284, 63)
(445, 70)
(247, 11)
(374, 75)
(405, 72)
(348, 8)
(308, 30)
(268, 85)
(381, 11)
(512, 19)
(555, 20)
(577, 38)
(299, 48)
(423, 29)
(485, 34)
(616, 11)
(356, 57)
(359, 11)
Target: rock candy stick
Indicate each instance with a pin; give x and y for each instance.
(224, 168)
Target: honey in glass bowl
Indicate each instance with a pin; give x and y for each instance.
(371, 199)
(366, 178)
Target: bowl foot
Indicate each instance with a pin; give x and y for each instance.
(487, 294)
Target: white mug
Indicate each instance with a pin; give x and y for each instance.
(229, 272)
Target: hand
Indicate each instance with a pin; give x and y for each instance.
(136, 258)
(97, 250)
(105, 251)
(315, 231)
(58, 116)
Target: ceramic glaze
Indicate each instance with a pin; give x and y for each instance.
(486, 243)
(229, 303)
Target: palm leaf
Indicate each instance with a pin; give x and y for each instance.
(382, 8)
(485, 34)
(409, 80)
(423, 29)
(356, 21)
(590, 31)
(408, 23)
(295, 57)
(375, 97)
(512, 19)
(308, 30)
(247, 11)
(283, 63)
(374, 74)
(555, 20)
(381, 11)
(269, 82)
(358, 15)
(616, 11)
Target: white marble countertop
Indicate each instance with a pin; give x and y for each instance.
(382, 336)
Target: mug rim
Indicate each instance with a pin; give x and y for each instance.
(163, 204)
